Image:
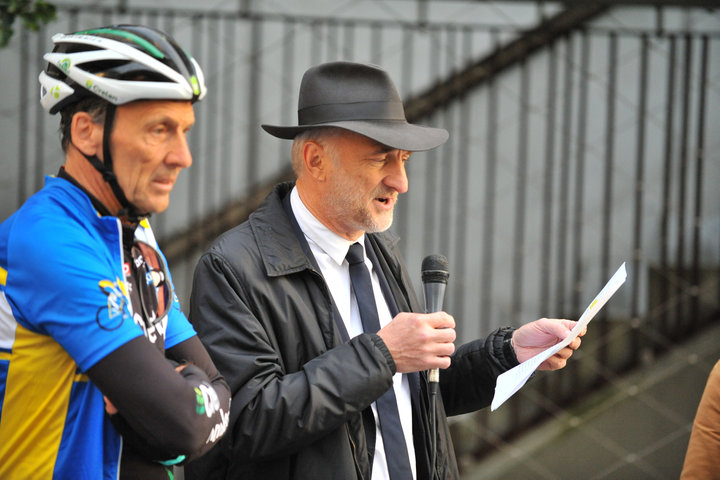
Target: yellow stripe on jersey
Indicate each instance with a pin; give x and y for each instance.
(37, 394)
(3, 276)
(4, 355)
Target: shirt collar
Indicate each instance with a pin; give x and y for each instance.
(335, 246)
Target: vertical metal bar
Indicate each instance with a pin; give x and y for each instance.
(432, 168)
(520, 211)
(463, 199)
(664, 282)
(547, 207)
(136, 17)
(578, 203)
(316, 45)
(211, 157)
(430, 197)
(488, 234)
(576, 237)
(639, 192)
(73, 20)
(169, 23)
(376, 44)
(607, 192)
(228, 110)
(422, 12)
(253, 101)
(152, 19)
(193, 211)
(447, 189)
(108, 17)
(681, 290)
(333, 41)
(521, 193)
(564, 190)
(289, 104)
(40, 122)
(23, 118)
(700, 159)
(349, 41)
(405, 88)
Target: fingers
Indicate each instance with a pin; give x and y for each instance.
(559, 360)
(558, 327)
(570, 324)
(440, 320)
(420, 341)
(109, 407)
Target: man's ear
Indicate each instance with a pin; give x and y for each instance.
(315, 160)
(86, 135)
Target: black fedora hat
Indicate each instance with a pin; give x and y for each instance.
(360, 98)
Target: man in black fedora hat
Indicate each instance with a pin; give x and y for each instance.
(308, 311)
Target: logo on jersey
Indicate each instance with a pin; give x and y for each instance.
(110, 316)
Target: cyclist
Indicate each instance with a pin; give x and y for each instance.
(101, 374)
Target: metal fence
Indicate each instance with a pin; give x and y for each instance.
(594, 148)
(596, 151)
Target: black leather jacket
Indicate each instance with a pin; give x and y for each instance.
(301, 396)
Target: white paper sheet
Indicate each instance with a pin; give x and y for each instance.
(511, 381)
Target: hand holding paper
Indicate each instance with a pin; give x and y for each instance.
(536, 337)
(511, 381)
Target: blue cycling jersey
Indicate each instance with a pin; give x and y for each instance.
(64, 305)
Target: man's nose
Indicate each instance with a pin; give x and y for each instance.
(180, 154)
(397, 176)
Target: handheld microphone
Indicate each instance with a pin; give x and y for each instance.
(434, 277)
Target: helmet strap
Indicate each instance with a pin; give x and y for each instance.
(128, 210)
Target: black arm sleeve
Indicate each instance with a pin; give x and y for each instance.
(469, 384)
(163, 413)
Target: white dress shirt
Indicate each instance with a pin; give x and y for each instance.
(330, 250)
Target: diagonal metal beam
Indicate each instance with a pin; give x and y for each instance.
(440, 94)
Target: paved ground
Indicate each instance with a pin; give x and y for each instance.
(636, 429)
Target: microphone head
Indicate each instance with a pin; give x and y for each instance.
(435, 269)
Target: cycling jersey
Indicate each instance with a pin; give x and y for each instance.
(64, 306)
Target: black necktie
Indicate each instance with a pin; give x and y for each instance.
(395, 448)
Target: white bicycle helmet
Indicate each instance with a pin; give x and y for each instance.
(120, 64)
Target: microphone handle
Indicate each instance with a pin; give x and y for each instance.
(434, 295)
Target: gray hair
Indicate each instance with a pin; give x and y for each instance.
(321, 135)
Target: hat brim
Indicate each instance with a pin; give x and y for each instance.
(393, 133)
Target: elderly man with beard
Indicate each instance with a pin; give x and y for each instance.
(308, 311)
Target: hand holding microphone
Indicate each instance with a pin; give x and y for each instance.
(420, 341)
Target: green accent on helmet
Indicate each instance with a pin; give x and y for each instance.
(88, 84)
(195, 85)
(64, 65)
(128, 36)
